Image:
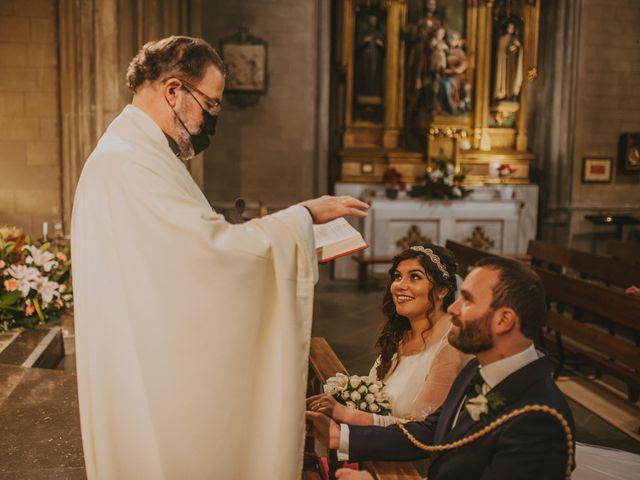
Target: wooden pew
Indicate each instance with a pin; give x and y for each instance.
(605, 351)
(547, 255)
(466, 256)
(587, 265)
(323, 364)
(626, 251)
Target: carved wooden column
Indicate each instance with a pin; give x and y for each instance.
(348, 28)
(531, 19)
(483, 77)
(394, 73)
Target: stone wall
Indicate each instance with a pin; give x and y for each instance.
(586, 96)
(275, 152)
(607, 105)
(29, 132)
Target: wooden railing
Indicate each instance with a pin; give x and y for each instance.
(323, 364)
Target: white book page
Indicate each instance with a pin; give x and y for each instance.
(333, 232)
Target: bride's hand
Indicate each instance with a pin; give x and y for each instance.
(328, 405)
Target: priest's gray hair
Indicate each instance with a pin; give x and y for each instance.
(177, 56)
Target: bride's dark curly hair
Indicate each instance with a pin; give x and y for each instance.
(396, 326)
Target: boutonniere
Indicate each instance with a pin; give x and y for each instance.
(480, 406)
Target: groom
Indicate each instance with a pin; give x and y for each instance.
(501, 306)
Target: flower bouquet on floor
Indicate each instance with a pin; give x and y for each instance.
(35, 280)
(359, 393)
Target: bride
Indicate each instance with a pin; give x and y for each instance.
(416, 362)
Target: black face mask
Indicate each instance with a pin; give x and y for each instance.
(200, 141)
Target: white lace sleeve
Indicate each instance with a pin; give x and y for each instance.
(373, 373)
(386, 420)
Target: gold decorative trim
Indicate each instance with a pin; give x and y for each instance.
(412, 238)
(480, 240)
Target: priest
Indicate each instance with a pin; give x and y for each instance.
(192, 334)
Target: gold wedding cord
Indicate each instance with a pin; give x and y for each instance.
(497, 423)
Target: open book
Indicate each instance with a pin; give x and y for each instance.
(336, 239)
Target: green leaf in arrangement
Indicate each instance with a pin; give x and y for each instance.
(9, 299)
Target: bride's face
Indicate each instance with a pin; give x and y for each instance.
(410, 289)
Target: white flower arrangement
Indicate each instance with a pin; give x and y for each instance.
(35, 280)
(359, 393)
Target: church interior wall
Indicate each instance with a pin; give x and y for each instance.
(585, 99)
(607, 105)
(272, 152)
(30, 174)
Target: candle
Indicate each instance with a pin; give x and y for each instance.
(45, 230)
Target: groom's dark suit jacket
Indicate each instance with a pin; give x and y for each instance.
(531, 446)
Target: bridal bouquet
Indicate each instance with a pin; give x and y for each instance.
(360, 393)
(35, 280)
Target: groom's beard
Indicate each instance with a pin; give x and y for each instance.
(473, 336)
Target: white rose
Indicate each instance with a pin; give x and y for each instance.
(451, 169)
(456, 192)
(363, 389)
(381, 396)
(356, 397)
(331, 389)
(374, 408)
(342, 379)
(363, 406)
(355, 381)
(346, 395)
(477, 406)
(370, 398)
(374, 388)
(351, 405)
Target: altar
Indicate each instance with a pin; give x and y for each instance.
(435, 89)
(482, 220)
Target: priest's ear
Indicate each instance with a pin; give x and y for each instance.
(170, 89)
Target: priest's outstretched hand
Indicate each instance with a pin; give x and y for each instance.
(325, 430)
(327, 208)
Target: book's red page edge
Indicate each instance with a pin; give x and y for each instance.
(343, 254)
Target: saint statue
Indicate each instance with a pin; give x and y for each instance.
(455, 87)
(370, 53)
(508, 73)
(419, 37)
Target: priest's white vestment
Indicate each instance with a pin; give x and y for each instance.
(192, 334)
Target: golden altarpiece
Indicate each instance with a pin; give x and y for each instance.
(432, 80)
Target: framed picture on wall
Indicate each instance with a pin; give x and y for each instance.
(629, 153)
(245, 56)
(596, 169)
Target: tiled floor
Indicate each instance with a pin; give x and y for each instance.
(351, 320)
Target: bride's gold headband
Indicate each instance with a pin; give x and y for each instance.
(434, 258)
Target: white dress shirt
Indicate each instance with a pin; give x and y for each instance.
(492, 374)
